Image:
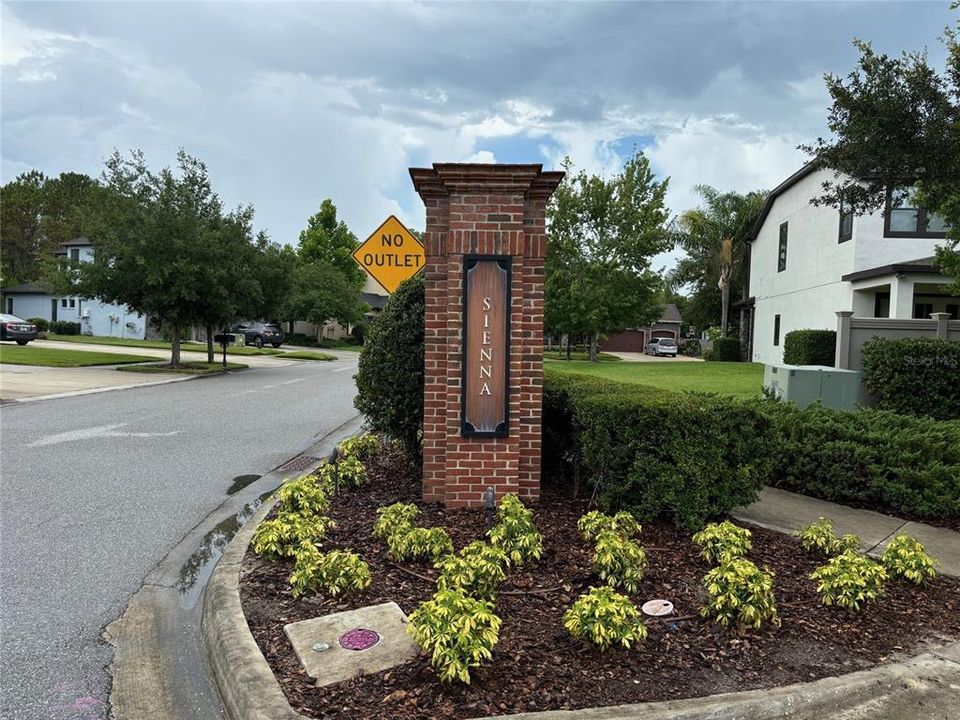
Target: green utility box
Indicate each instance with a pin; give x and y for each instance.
(805, 384)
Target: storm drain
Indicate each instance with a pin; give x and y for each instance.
(299, 463)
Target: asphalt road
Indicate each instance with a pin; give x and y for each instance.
(96, 489)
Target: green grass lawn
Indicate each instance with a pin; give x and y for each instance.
(557, 355)
(55, 357)
(160, 344)
(307, 355)
(724, 378)
(186, 368)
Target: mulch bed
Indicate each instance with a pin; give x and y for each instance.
(538, 666)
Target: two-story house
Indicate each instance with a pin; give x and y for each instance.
(94, 317)
(807, 262)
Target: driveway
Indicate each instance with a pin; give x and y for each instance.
(98, 488)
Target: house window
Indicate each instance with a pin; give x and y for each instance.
(776, 330)
(74, 253)
(905, 219)
(922, 311)
(73, 302)
(782, 252)
(9, 306)
(846, 224)
(954, 311)
(63, 302)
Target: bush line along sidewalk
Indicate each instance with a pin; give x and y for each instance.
(689, 457)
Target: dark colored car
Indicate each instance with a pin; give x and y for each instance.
(260, 334)
(13, 328)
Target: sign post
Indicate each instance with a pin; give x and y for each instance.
(485, 244)
(391, 254)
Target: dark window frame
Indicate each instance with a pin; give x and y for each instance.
(842, 236)
(954, 311)
(75, 254)
(925, 306)
(782, 247)
(776, 331)
(921, 223)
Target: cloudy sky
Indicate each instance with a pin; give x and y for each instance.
(291, 103)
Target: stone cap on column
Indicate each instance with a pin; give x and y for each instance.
(446, 178)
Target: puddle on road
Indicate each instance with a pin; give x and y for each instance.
(198, 567)
(240, 482)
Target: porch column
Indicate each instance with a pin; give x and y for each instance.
(901, 298)
(842, 360)
(941, 318)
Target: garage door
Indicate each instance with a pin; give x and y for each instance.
(626, 341)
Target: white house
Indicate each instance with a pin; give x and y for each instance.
(806, 263)
(94, 317)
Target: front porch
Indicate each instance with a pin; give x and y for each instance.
(907, 291)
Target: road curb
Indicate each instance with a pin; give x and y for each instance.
(95, 391)
(250, 691)
(154, 674)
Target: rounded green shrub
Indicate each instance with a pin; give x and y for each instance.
(739, 593)
(605, 618)
(457, 631)
(390, 375)
(595, 522)
(724, 350)
(810, 347)
(477, 570)
(618, 561)
(849, 580)
(914, 376)
(904, 557)
(721, 542)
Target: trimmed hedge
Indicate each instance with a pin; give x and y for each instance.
(64, 327)
(655, 453)
(724, 350)
(810, 347)
(916, 376)
(42, 323)
(870, 458)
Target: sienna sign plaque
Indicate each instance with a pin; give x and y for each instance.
(486, 346)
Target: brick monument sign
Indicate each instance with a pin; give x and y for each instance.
(485, 245)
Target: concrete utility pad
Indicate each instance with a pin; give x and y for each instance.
(338, 663)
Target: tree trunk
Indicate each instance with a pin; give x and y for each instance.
(594, 339)
(724, 306)
(210, 358)
(175, 345)
(565, 341)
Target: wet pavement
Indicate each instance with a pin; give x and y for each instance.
(96, 491)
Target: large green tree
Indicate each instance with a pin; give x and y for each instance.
(37, 214)
(603, 234)
(895, 122)
(714, 238)
(165, 247)
(328, 280)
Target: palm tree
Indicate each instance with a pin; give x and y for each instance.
(714, 237)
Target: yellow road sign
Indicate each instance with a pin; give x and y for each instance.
(391, 254)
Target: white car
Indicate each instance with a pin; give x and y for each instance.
(662, 346)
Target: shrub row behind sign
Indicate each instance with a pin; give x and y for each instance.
(655, 453)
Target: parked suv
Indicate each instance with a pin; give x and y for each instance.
(662, 346)
(259, 333)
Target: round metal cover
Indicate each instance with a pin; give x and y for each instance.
(359, 639)
(657, 608)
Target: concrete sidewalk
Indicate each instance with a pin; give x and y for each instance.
(24, 382)
(787, 512)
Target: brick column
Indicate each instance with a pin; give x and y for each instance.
(482, 210)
